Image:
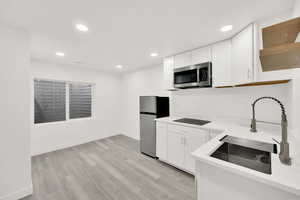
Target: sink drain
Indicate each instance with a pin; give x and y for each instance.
(263, 159)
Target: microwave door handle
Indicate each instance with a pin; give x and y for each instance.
(198, 75)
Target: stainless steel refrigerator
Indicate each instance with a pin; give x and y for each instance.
(151, 107)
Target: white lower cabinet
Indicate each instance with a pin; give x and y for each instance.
(161, 140)
(193, 140)
(176, 149)
(175, 143)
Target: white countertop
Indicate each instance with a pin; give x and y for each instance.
(283, 177)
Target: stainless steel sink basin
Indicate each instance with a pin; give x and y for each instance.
(247, 153)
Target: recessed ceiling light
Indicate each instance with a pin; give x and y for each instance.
(154, 54)
(82, 27)
(60, 54)
(226, 28)
(119, 66)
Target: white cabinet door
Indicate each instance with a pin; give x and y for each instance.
(221, 63)
(182, 60)
(193, 140)
(161, 140)
(176, 149)
(169, 73)
(242, 56)
(201, 55)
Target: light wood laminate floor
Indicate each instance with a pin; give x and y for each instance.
(107, 169)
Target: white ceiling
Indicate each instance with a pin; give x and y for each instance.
(126, 31)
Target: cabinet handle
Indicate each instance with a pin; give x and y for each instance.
(249, 74)
(196, 185)
(182, 140)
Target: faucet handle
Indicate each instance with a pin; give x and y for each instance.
(253, 126)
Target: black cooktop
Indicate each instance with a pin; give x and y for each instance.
(192, 121)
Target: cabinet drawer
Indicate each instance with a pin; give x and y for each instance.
(190, 130)
(176, 128)
(186, 130)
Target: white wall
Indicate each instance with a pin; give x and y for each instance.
(294, 90)
(230, 103)
(296, 9)
(106, 115)
(15, 165)
(144, 82)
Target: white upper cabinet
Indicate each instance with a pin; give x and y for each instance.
(221, 63)
(169, 73)
(201, 55)
(234, 61)
(242, 56)
(183, 60)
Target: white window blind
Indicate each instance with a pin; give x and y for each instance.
(49, 101)
(80, 100)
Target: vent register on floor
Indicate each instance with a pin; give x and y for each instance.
(59, 101)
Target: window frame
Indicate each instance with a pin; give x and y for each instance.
(68, 119)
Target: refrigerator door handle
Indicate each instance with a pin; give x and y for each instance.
(147, 113)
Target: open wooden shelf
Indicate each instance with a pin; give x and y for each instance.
(285, 56)
(282, 33)
(263, 83)
(226, 86)
(259, 83)
(280, 50)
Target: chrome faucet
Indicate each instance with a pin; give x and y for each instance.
(284, 145)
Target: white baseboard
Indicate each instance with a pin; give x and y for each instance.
(52, 148)
(18, 194)
(133, 137)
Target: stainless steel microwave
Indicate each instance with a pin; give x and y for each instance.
(199, 75)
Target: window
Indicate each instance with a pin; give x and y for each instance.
(80, 100)
(49, 101)
(60, 101)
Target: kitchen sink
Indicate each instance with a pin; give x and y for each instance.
(247, 153)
